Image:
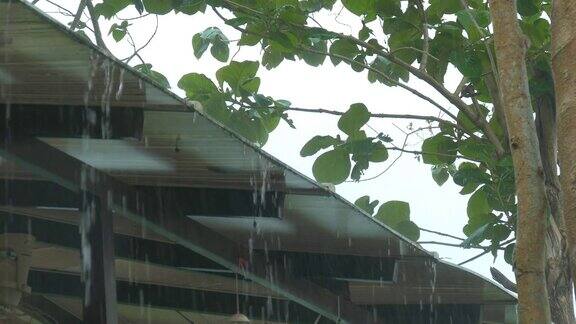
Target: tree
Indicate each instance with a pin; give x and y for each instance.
(485, 138)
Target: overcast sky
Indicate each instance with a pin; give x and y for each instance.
(432, 207)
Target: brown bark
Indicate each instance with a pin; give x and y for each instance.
(564, 71)
(510, 45)
(558, 277)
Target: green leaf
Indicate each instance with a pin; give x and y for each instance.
(360, 7)
(359, 167)
(470, 177)
(314, 59)
(473, 22)
(109, 8)
(197, 86)
(477, 150)
(538, 31)
(249, 127)
(158, 7)
(189, 7)
(332, 167)
(139, 6)
(318, 143)
(499, 232)
(476, 237)
(154, 75)
(352, 120)
(220, 50)
(215, 107)
(364, 33)
(284, 40)
(199, 45)
(440, 174)
(343, 47)
(393, 212)
(211, 36)
(365, 204)
(439, 8)
(408, 229)
(379, 153)
(478, 205)
(251, 36)
(509, 252)
(468, 63)
(388, 72)
(272, 57)
(465, 122)
(388, 8)
(118, 31)
(477, 222)
(251, 85)
(240, 76)
(439, 149)
(529, 7)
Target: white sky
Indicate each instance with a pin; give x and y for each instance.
(432, 207)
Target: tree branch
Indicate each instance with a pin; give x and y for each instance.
(393, 148)
(78, 16)
(380, 115)
(486, 252)
(452, 244)
(137, 50)
(367, 67)
(383, 75)
(426, 37)
(96, 26)
(477, 119)
(441, 234)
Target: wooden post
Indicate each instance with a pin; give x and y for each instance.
(96, 227)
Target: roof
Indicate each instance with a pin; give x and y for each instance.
(42, 63)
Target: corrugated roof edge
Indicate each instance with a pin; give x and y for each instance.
(191, 106)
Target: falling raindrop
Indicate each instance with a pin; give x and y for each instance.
(120, 85)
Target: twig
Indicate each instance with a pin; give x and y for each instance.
(133, 18)
(486, 252)
(137, 51)
(475, 257)
(387, 78)
(457, 156)
(460, 86)
(59, 7)
(424, 53)
(390, 165)
(377, 115)
(78, 16)
(133, 44)
(441, 234)
(453, 244)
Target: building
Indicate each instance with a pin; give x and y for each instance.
(122, 203)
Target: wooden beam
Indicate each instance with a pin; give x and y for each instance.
(129, 202)
(99, 280)
(35, 303)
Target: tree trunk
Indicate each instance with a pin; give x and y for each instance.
(558, 277)
(510, 45)
(564, 71)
